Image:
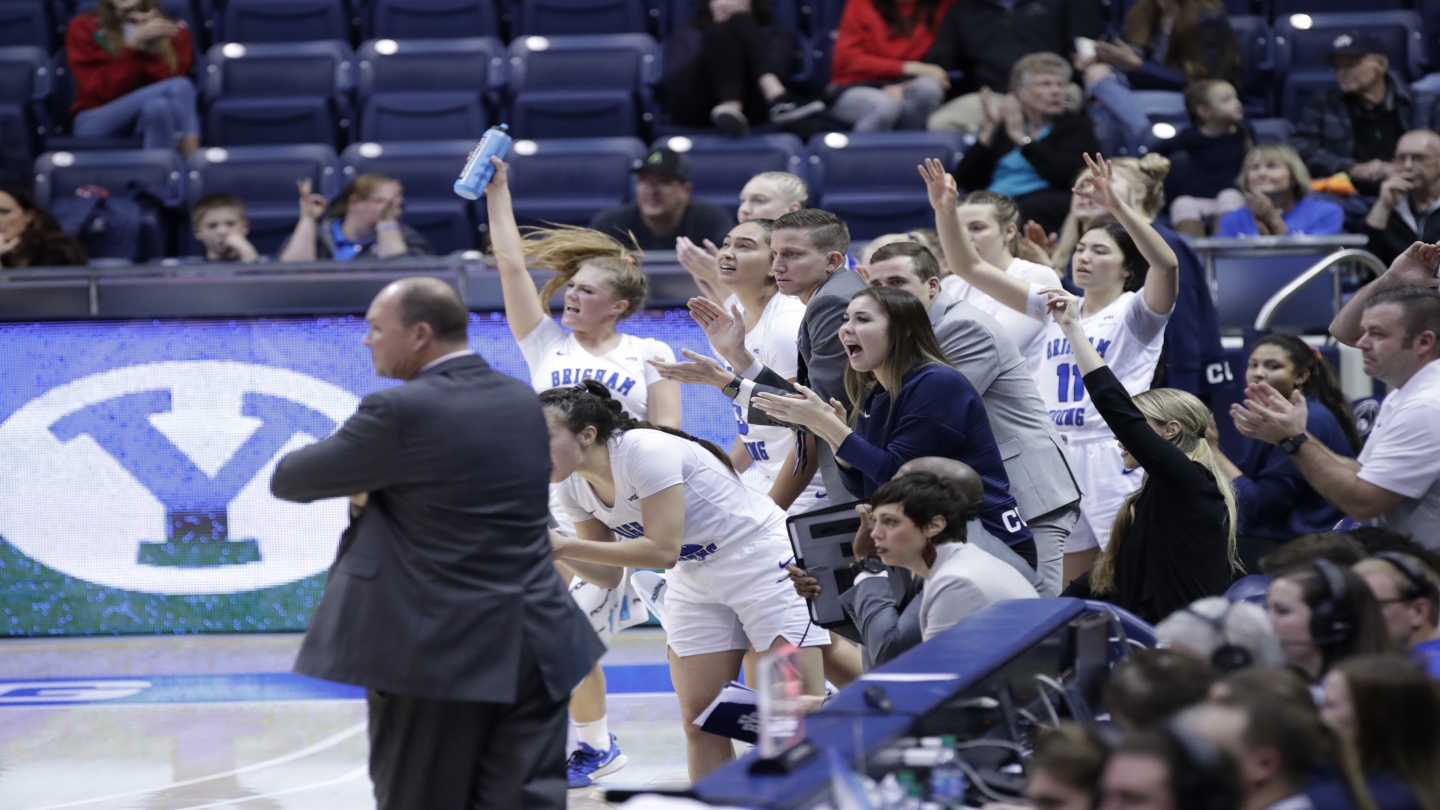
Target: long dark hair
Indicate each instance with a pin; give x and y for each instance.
(760, 9)
(912, 343)
(43, 234)
(1397, 717)
(1131, 259)
(589, 404)
(926, 12)
(1367, 634)
(1323, 383)
(1197, 48)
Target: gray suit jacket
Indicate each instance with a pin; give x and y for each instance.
(822, 365)
(886, 611)
(1035, 459)
(446, 574)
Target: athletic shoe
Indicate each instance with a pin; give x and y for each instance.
(586, 764)
(651, 587)
(730, 121)
(786, 108)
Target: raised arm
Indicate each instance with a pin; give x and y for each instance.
(523, 308)
(960, 252)
(1162, 281)
(1416, 267)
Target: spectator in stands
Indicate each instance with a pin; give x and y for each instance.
(1276, 186)
(1228, 635)
(1389, 707)
(1169, 768)
(129, 62)
(1408, 591)
(722, 68)
(30, 236)
(768, 195)
(1170, 44)
(984, 39)
(1064, 772)
(1173, 540)
(1375, 539)
(218, 222)
(1207, 158)
(1322, 613)
(1403, 213)
(1355, 126)
(1030, 148)
(1394, 321)
(1337, 547)
(663, 211)
(879, 76)
(1153, 684)
(1277, 504)
(909, 402)
(362, 223)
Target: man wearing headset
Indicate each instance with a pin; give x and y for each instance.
(1409, 595)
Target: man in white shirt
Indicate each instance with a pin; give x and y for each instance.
(1395, 322)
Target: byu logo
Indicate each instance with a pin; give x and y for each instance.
(156, 477)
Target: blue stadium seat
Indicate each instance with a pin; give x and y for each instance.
(428, 170)
(1304, 45)
(1253, 589)
(264, 177)
(277, 93)
(423, 116)
(1301, 84)
(825, 15)
(1285, 8)
(462, 79)
(1272, 130)
(434, 19)
(869, 179)
(564, 87)
(58, 174)
(24, 83)
(24, 22)
(567, 181)
(575, 17)
(1256, 43)
(1245, 283)
(283, 21)
(720, 166)
(822, 51)
(1163, 106)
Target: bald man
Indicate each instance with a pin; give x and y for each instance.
(442, 601)
(1405, 211)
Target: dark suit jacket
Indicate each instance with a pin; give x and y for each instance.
(447, 571)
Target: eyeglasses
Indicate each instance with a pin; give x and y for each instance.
(1401, 160)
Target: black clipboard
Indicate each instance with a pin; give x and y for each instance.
(823, 542)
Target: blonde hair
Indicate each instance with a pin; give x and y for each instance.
(567, 248)
(792, 188)
(1165, 405)
(1147, 175)
(1041, 62)
(1005, 211)
(362, 186)
(1283, 153)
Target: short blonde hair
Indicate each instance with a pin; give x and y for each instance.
(1284, 153)
(1042, 62)
(1148, 174)
(791, 187)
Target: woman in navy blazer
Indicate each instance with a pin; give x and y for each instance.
(911, 403)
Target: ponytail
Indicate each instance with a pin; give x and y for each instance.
(1323, 383)
(589, 404)
(567, 248)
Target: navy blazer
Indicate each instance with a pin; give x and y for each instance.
(1275, 500)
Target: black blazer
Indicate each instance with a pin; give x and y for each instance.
(1058, 157)
(447, 572)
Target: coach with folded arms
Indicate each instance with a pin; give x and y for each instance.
(443, 602)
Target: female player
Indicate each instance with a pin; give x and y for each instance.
(603, 286)
(1130, 279)
(676, 503)
(768, 195)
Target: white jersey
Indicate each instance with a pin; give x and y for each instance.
(556, 358)
(774, 340)
(1021, 328)
(719, 510)
(1127, 334)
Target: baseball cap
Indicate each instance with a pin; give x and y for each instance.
(1355, 43)
(665, 161)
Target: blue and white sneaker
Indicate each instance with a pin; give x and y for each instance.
(586, 764)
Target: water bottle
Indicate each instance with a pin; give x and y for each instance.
(478, 171)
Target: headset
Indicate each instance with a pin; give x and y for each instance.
(1332, 620)
(1228, 657)
(1204, 780)
(1421, 587)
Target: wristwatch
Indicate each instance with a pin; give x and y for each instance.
(1293, 443)
(872, 564)
(732, 388)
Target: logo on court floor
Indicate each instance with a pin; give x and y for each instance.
(155, 477)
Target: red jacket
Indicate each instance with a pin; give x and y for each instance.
(866, 51)
(101, 78)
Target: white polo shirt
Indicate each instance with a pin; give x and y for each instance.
(1402, 455)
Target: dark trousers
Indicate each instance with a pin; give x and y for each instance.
(459, 755)
(732, 60)
(1048, 207)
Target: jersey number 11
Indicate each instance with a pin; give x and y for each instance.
(1066, 372)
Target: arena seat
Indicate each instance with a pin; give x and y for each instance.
(580, 85)
(1302, 40)
(1272, 130)
(426, 116)
(869, 178)
(24, 22)
(822, 52)
(577, 17)
(276, 93)
(434, 19)
(1256, 42)
(567, 181)
(720, 166)
(264, 178)
(58, 174)
(283, 21)
(1163, 106)
(24, 84)
(1253, 588)
(825, 15)
(461, 80)
(1245, 283)
(1287, 7)
(427, 169)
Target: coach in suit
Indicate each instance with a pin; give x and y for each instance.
(1041, 481)
(443, 602)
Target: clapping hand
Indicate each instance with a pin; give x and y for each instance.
(702, 370)
(1264, 210)
(805, 407)
(726, 330)
(1269, 417)
(1097, 186)
(940, 185)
